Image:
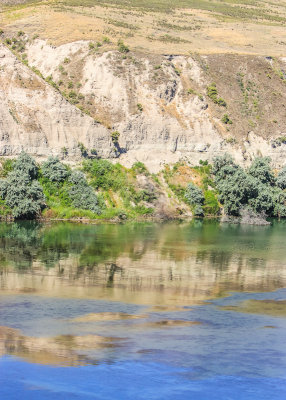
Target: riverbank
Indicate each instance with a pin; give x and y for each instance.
(98, 190)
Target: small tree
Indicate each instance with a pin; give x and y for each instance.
(261, 170)
(223, 166)
(54, 170)
(81, 194)
(195, 197)
(264, 201)
(122, 46)
(23, 195)
(281, 178)
(26, 164)
(3, 188)
(21, 192)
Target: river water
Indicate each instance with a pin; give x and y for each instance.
(169, 311)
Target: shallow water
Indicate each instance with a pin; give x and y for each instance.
(142, 311)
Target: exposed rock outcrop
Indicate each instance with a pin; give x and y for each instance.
(157, 104)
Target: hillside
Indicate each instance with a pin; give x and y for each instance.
(140, 81)
(157, 26)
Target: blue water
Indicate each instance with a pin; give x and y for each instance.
(127, 380)
(50, 275)
(230, 355)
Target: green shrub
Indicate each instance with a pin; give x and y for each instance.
(226, 120)
(3, 188)
(72, 94)
(254, 187)
(50, 80)
(279, 203)
(83, 150)
(264, 200)
(20, 191)
(261, 170)
(194, 196)
(213, 93)
(221, 102)
(211, 204)
(115, 136)
(7, 166)
(54, 170)
(23, 195)
(223, 166)
(142, 210)
(81, 194)
(204, 163)
(106, 175)
(140, 168)
(281, 178)
(26, 164)
(122, 47)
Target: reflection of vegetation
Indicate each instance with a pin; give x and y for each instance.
(18, 243)
(111, 273)
(171, 260)
(22, 243)
(91, 247)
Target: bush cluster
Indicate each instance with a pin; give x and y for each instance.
(195, 197)
(255, 188)
(81, 194)
(28, 187)
(54, 170)
(213, 95)
(21, 191)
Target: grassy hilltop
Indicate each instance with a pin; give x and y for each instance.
(157, 26)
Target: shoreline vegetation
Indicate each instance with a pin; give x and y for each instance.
(100, 191)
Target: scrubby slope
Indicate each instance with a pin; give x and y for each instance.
(134, 100)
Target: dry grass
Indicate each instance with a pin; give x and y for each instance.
(244, 27)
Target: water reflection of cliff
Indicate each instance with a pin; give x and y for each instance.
(68, 350)
(148, 263)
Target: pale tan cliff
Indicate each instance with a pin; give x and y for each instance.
(157, 104)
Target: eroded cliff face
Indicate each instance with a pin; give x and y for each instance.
(158, 105)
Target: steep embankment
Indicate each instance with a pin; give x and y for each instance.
(78, 98)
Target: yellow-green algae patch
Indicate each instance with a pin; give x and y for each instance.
(275, 308)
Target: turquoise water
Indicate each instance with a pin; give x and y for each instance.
(142, 311)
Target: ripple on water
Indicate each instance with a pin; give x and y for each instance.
(275, 308)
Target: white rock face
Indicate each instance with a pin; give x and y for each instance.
(36, 118)
(172, 126)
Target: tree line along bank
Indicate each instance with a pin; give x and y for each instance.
(99, 189)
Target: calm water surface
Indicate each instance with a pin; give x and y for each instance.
(169, 311)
